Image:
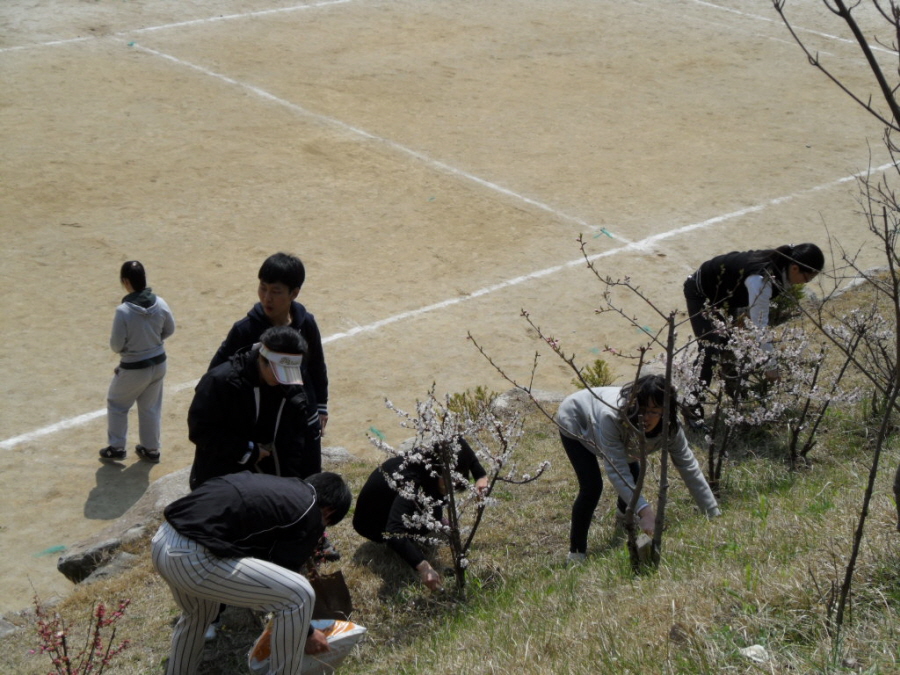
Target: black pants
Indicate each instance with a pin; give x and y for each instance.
(590, 487)
(711, 343)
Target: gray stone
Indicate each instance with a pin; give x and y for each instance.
(336, 455)
(516, 400)
(120, 562)
(6, 628)
(644, 548)
(85, 557)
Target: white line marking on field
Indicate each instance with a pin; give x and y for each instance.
(362, 133)
(51, 43)
(179, 24)
(231, 17)
(641, 245)
(53, 428)
(777, 19)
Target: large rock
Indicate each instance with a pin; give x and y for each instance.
(335, 455)
(99, 556)
(518, 401)
(80, 562)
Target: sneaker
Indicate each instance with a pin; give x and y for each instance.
(575, 557)
(212, 630)
(147, 454)
(111, 454)
(693, 417)
(698, 425)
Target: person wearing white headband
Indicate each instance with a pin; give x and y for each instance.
(250, 412)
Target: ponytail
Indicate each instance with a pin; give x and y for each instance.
(808, 257)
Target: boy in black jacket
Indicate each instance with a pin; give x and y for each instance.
(280, 278)
(240, 539)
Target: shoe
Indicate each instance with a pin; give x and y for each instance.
(698, 425)
(327, 551)
(693, 417)
(111, 454)
(575, 557)
(147, 454)
(212, 630)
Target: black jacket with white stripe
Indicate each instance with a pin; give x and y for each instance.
(251, 515)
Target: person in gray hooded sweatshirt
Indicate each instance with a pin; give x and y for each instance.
(141, 325)
(605, 425)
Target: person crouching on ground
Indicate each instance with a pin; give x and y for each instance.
(240, 539)
(380, 508)
(606, 423)
(742, 283)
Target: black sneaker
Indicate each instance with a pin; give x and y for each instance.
(693, 417)
(147, 454)
(111, 454)
(698, 425)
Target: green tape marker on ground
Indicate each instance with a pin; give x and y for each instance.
(50, 551)
(377, 433)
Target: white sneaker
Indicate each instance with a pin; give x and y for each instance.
(575, 557)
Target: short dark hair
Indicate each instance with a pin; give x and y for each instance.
(635, 398)
(332, 492)
(134, 272)
(284, 340)
(283, 268)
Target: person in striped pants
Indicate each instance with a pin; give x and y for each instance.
(240, 539)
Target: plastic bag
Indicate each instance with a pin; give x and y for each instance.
(342, 637)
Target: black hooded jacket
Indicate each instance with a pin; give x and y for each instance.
(234, 411)
(247, 331)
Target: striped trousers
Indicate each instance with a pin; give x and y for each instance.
(200, 581)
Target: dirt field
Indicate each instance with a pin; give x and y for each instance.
(432, 162)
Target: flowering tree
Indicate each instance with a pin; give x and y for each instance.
(96, 652)
(439, 426)
(742, 395)
(869, 341)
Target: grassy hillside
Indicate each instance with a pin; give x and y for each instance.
(765, 573)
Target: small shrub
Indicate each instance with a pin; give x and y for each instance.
(471, 402)
(597, 374)
(786, 306)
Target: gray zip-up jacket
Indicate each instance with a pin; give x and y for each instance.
(591, 416)
(142, 323)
